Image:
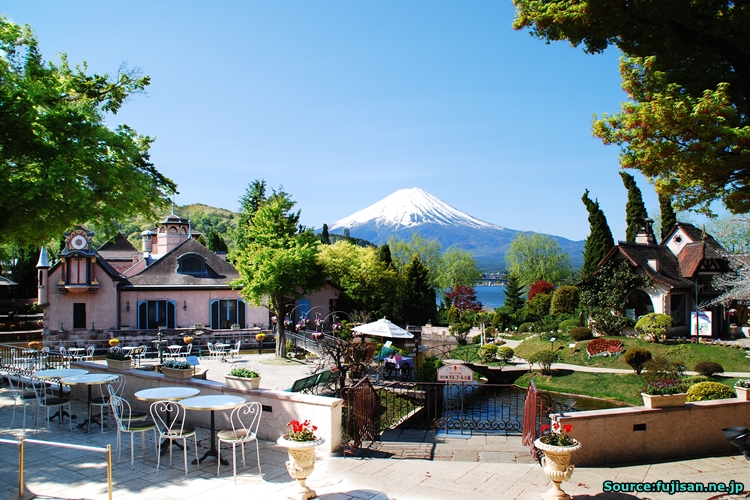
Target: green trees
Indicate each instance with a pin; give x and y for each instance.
(686, 72)
(668, 218)
(60, 164)
(533, 257)
(600, 240)
(216, 242)
(278, 261)
(419, 296)
(634, 208)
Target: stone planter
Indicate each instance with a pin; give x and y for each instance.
(120, 365)
(177, 374)
(743, 393)
(301, 463)
(242, 382)
(557, 467)
(668, 401)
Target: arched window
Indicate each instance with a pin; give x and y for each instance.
(191, 264)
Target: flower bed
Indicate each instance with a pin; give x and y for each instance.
(604, 347)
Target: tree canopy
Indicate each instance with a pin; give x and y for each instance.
(687, 74)
(279, 260)
(60, 164)
(533, 257)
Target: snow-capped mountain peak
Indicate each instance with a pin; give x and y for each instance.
(410, 208)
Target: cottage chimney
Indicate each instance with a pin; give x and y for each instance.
(645, 233)
(147, 239)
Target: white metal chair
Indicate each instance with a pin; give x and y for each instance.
(188, 350)
(245, 420)
(169, 417)
(236, 351)
(174, 351)
(46, 401)
(102, 401)
(24, 395)
(127, 421)
(89, 356)
(140, 353)
(211, 350)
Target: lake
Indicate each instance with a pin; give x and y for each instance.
(490, 296)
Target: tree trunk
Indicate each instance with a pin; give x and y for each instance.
(278, 304)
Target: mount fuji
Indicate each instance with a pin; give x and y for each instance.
(414, 210)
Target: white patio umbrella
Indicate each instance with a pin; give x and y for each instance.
(6, 281)
(383, 328)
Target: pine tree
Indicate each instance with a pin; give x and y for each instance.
(513, 294)
(215, 242)
(325, 238)
(600, 240)
(635, 207)
(668, 216)
(419, 296)
(384, 254)
(255, 194)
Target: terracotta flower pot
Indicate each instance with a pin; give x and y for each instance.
(177, 374)
(557, 467)
(120, 365)
(301, 463)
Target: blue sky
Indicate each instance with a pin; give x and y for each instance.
(344, 103)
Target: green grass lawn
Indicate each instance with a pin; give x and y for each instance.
(731, 359)
(613, 386)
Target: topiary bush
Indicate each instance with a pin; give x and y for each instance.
(566, 325)
(661, 367)
(580, 333)
(476, 339)
(564, 300)
(708, 391)
(525, 327)
(695, 379)
(487, 352)
(654, 326)
(544, 359)
(709, 368)
(636, 358)
(505, 354)
(428, 369)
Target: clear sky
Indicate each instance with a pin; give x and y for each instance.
(345, 102)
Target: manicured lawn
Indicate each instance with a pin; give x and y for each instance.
(730, 358)
(615, 386)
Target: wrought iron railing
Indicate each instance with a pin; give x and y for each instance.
(27, 361)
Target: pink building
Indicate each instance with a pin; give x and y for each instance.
(174, 282)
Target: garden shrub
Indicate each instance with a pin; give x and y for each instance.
(525, 327)
(661, 367)
(537, 308)
(564, 300)
(476, 339)
(566, 325)
(427, 371)
(707, 391)
(709, 368)
(579, 333)
(487, 352)
(505, 354)
(544, 359)
(654, 326)
(696, 379)
(637, 357)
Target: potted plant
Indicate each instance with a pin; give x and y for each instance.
(260, 337)
(187, 339)
(35, 344)
(243, 378)
(742, 387)
(235, 326)
(664, 393)
(300, 443)
(557, 446)
(117, 359)
(124, 327)
(181, 370)
(113, 342)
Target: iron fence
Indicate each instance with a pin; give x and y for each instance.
(26, 361)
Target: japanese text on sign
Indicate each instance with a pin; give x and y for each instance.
(455, 373)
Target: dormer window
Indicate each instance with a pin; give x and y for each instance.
(191, 264)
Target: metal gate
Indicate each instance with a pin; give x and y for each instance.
(360, 414)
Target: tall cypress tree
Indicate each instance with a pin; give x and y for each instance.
(600, 240)
(325, 238)
(635, 207)
(668, 217)
(216, 242)
(384, 254)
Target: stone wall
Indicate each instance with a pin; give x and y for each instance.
(279, 407)
(645, 435)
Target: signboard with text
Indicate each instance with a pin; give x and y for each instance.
(704, 323)
(455, 373)
(192, 360)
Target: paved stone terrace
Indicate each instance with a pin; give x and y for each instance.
(404, 465)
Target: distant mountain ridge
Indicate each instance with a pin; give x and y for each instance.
(409, 211)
